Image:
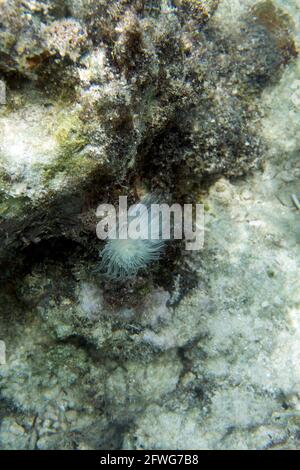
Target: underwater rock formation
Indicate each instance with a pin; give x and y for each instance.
(195, 101)
(101, 94)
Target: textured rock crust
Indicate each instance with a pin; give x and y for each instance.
(194, 100)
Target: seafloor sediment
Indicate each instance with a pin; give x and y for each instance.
(195, 101)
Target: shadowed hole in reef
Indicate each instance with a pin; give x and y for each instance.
(51, 251)
(62, 253)
(59, 253)
(160, 162)
(55, 249)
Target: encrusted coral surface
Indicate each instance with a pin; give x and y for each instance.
(197, 101)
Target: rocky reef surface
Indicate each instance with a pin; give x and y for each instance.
(193, 100)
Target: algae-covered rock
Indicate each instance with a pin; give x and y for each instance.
(192, 100)
(115, 91)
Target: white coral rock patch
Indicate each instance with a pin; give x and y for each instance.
(90, 300)
(163, 341)
(142, 383)
(155, 308)
(13, 436)
(184, 431)
(26, 145)
(230, 13)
